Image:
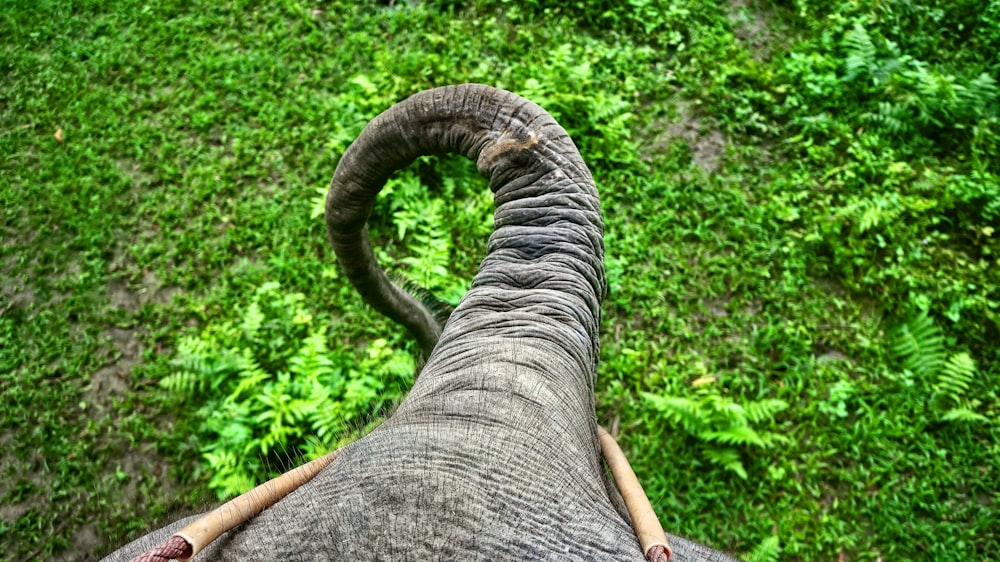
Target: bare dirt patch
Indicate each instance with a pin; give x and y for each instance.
(683, 123)
(146, 470)
(136, 469)
(112, 380)
(15, 290)
(132, 296)
(717, 308)
(756, 27)
(124, 348)
(831, 355)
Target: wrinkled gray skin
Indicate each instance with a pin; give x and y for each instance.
(494, 452)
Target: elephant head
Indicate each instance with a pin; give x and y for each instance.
(494, 453)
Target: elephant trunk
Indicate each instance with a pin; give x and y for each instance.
(518, 356)
(547, 245)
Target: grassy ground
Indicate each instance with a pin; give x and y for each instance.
(801, 202)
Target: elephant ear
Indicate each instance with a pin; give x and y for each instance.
(513, 141)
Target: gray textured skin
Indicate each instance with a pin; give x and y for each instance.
(494, 452)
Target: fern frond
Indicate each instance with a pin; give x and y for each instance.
(887, 67)
(759, 411)
(227, 362)
(193, 354)
(731, 412)
(737, 435)
(253, 319)
(247, 384)
(683, 411)
(327, 421)
(312, 360)
(952, 388)
(767, 551)
(979, 97)
(605, 107)
(185, 383)
(728, 459)
(964, 414)
(318, 203)
(919, 346)
(861, 53)
(893, 117)
(277, 436)
(956, 375)
(300, 408)
(229, 476)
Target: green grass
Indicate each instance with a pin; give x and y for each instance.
(788, 187)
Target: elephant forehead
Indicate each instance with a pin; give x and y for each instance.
(448, 489)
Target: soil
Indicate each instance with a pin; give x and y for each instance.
(684, 124)
(756, 26)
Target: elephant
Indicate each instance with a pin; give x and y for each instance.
(494, 452)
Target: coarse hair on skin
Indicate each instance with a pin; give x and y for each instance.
(440, 309)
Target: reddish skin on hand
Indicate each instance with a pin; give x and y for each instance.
(657, 553)
(176, 548)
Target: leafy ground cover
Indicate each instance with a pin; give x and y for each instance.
(801, 199)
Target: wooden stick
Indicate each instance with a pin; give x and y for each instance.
(240, 509)
(652, 539)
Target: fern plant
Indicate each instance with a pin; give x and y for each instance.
(911, 96)
(919, 345)
(269, 388)
(417, 213)
(952, 388)
(724, 426)
(920, 348)
(861, 59)
(419, 218)
(769, 550)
